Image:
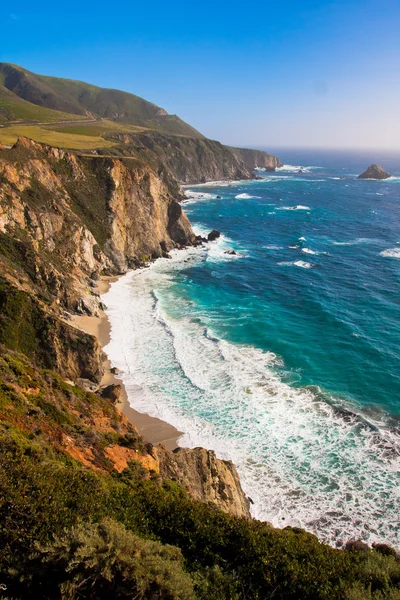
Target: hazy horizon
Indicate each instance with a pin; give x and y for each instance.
(306, 75)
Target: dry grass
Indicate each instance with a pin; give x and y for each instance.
(62, 139)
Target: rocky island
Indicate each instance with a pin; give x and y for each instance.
(88, 507)
(374, 172)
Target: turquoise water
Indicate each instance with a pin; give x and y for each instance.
(285, 356)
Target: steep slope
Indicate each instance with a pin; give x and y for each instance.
(79, 98)
(14, 109)
(191, 160)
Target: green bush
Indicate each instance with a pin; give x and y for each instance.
(105, 561)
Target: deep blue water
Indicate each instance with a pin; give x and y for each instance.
(285, 356)
(336, 324)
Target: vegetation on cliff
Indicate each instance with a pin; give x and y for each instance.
(75, 522)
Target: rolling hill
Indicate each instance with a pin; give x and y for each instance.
(26, 96)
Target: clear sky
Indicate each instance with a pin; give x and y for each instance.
(292, 73)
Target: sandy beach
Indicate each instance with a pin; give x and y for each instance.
(150, 428)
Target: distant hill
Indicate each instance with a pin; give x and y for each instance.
(22, 92)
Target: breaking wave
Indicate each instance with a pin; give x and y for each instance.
(303, 458)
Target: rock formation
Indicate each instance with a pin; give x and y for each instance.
(191, 160)
(205, 477)
(374, 172)
(213, 235)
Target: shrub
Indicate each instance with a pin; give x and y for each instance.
(105, 561)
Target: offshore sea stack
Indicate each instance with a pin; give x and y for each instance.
(375, 172)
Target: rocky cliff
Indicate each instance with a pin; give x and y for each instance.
(79, 217)
(191, 160)
(64, 221)
(254, 159)
(207, 478)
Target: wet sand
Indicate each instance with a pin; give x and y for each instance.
(150, 428)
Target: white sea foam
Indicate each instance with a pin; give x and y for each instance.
(245, 197)
(296, 169)
(298, 207)
(192, 195)
(296, 263)
(303, 462)
(391, 253)
(356, 241)
(308, 251)
(222, 183)
(302, 239)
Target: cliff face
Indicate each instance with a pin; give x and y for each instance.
(207, 478)
(191, 160)
(257, 159)
(79, 217)
(65, 220)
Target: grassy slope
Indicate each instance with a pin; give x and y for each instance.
(13, 108)
(61, 139)
(84, 99)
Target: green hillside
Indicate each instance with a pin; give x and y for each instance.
(77, 99)
(15, 109)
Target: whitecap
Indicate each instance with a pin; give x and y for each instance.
(391, 253)
(192, 195)
(296, 168)
(308, 251)
(298, 207)
(245, 197)
(302, 239)
(296, 263)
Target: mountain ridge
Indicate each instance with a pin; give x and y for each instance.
(87, 100)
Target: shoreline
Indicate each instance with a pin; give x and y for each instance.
(152, 429)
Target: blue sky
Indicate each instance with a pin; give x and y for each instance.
(290, 73)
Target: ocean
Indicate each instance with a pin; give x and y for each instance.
(283, 357)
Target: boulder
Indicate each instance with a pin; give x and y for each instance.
(111, 392)
(213, 235)
(374, 172)
(356, 546)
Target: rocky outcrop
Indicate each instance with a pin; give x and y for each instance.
(82, 216)
(213, 235)
(257, 159)
(190, 160)
(374, 172)
(206, 478)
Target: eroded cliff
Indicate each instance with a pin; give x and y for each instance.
(64, 221)
(191, 160)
